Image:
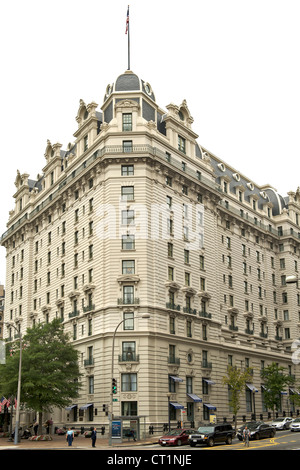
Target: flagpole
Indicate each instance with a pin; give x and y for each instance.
(128, 34)
(128, 47)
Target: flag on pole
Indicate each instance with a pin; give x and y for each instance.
(127, 20)
(3, 402)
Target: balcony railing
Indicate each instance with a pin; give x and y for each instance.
(249, 332)
(89, 362)
(172, 306)
(73, 314)
(129, 357)
(263, 335)
(89, 308)
(128, 301)
(206, 364)
(173, 360)
(193, 311)
(204, 314)
(233, 328)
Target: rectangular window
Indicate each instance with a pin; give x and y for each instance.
(128, 242)
(181, 144)
(129, 382)
(127, 170)
(128, 267)
(170, 273)
(128, 351)
(127, 193)
(127, 122)
(128, 295)
(129, 321)
(127, 146)
(127, 217)
(85, 143)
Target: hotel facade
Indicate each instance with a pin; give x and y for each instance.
(136, 233)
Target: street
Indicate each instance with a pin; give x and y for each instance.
(283, 440)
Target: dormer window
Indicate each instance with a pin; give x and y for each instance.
(181, 144)
(127, 122)
(85, 143)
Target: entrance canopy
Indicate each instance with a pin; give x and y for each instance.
(176, 405)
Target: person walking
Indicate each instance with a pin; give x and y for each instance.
(70, 437)
(35, 428)
(246, 436)
(94, 437)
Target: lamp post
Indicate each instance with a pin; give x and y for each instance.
(169, 417)
(16, 439)
(111, 415)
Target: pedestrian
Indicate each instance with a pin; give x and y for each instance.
(94, 437)
(35, 428)
(70, 436)
(246, 436)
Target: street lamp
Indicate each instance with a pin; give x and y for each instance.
(16, 439)
(113, 386)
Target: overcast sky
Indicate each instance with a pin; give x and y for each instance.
(236, 62)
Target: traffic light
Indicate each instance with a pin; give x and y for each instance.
(114, 386)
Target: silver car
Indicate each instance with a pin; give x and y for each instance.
(282, 423)
(295, 425)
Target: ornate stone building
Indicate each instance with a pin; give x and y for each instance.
(136, 217)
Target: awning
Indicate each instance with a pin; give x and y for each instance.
(293, 391)
(194, 397)
(176, 405)
(209, 382)
(252, 388)
(68, 408)
(211, 407)
(84, 407)
(175, 378)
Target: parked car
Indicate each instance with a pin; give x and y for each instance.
(258, 430)
(209, 434)
(295, 425)
(176, 437)
(239, 433)
(282, 423)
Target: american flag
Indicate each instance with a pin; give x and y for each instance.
(127, 20)
(4, 402)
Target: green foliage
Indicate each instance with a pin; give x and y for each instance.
(236, 380)
(275, 381)
(50, 371)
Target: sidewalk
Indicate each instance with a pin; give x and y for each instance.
(80, 442)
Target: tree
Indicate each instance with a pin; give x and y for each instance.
(275, 381)
(236, 380)
(50, 370)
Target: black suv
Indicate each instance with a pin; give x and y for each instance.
(208, 434)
